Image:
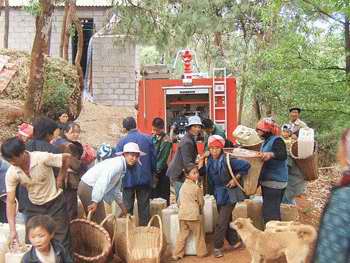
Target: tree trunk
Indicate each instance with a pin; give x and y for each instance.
(80, 48)
(64, 27)
(66, 33)
(242, 93)
(36, 72)
(7, 24)
(47, 51)
(256, 107)
(347, 45)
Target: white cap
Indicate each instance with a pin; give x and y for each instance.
(131, 147)
(194, 120)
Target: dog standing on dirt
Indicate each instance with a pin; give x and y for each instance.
(294, 242)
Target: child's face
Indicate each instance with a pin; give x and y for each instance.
(193, 175)
(40, 238)
(285, 134)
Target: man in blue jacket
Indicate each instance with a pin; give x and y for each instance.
(138, 179)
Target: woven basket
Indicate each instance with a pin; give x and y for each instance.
(308, 166)
(250, 182)
(109, 223)
(142, 244)
(254, 147)
(90, 242)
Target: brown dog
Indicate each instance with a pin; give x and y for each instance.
(269, 245)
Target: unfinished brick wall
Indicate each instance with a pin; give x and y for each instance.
(114, 63)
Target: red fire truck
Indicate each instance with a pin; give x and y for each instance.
(176, 99)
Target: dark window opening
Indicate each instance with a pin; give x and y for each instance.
(88, 31)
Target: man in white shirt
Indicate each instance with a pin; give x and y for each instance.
(295, 122)
(103, 182)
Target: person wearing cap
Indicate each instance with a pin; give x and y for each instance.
(295, 122)
(105, 151)
(138, 180)
(274, 173)
(103, 182)
(186, 153)
(226, 190)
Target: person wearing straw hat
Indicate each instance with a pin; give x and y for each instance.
(274, 173)
(186, 153)
(226, 190)
(103, 182)
(138, 181)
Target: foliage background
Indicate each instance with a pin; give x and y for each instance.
(283, 53)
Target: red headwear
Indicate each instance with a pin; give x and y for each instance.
(268, 125)
(216, 141)
(25, 129)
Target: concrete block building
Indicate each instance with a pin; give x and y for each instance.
(114, 60)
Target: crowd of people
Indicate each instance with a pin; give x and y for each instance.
(45, 168)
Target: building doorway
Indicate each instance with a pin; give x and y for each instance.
(88, 31)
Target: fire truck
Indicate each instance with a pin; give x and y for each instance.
(174, 100)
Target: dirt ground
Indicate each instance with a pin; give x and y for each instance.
(103, 124)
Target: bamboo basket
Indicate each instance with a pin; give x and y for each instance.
(109, 224)
(142, 244)
(254, 147)
(90, 242)
(308, 166)
(251, 180)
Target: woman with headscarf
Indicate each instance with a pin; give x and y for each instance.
(226, 191)
(274, 173)
(333, 243)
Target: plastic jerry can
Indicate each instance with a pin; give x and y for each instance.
(209, 213)
(17, 255)
(306, 143)
(4, 237)
(190, 249)
(166, 213)
(240, 211)
(157, 205)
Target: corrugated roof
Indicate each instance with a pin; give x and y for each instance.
(83, 3)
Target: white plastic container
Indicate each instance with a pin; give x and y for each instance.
(16, 256)
(5, 232)
(190, 249)
(156, 206)
(166, 214)
(306, 143)
(240, 211)
(4, 237)
(209, 213)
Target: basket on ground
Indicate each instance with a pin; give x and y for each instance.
(250, 182)
(90, 242)
(308, 166)
(142, 244)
